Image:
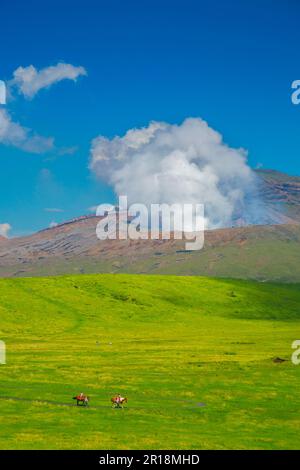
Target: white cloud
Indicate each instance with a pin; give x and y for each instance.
(12, 133)
(53, 224)
(29, 80)
(187, 163)
(4, 230)
(68, 150)
(53, 209)
(92, 209)
(2, 92)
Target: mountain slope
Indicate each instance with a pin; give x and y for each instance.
(256, 252)
(262, 252)
(280, 194)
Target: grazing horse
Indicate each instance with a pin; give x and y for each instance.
(83, 399)
(118, 402)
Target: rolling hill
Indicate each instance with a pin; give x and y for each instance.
(205, 363)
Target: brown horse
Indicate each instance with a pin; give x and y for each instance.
(118, 402)
(83, 399)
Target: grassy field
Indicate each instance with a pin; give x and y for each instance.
(193, 355)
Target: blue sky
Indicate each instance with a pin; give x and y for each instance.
(229, 62)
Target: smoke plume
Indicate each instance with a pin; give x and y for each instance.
(186, 163)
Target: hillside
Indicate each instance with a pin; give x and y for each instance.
(280, 194)
(256, 252)
(194, 356)
(261, 252)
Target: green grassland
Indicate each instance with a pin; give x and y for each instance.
(193, 355)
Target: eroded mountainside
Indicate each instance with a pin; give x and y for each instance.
(263, 252)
